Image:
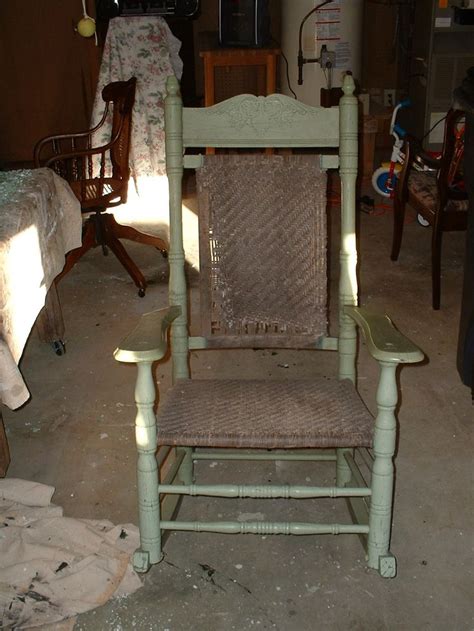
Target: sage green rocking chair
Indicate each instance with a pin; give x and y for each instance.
(263, 285)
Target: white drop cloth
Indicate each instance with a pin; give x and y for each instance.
(53, 567)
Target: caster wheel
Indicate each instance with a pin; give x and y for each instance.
(59, 347)
(422, 221)
(141, 293)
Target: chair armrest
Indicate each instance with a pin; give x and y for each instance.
(384, 342)
(65, 155)
(70, 136)
(414, 153)
(433, 163)
(419, 154)
(79, 153)
(78, 165)
(148, 340)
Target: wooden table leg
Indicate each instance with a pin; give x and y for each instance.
(4, 450)
(50, 323)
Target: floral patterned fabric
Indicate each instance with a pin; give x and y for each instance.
(141, 47)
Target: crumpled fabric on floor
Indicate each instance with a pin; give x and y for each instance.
(54, 567)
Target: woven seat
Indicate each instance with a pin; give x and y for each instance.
(264, 414)
(423, 189)
(263, 284)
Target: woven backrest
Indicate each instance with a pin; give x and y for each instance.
(262, 250)
(122, 95)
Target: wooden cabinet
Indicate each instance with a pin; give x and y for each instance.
(232, 71)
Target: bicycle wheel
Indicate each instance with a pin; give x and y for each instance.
(380, 181)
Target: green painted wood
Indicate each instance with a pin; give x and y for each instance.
(257, 121)
(148, 340)
(356, 474)
(187, 468)
(172, 473)
(323, 343)
(380, 520)
(170, 502)
(384, 341)
(327, 161)
(358, 506)
(343, 472)
(366, 456)
(177, 279)
(359, 512)
(169, 505)
(348, 291)
(162, 453)
(264, 491)
(265, 528)
(275, 121)
(297, 456)
(147, 469)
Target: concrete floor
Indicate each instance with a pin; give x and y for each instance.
(76, 433)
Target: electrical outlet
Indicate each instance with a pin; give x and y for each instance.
(389, 96)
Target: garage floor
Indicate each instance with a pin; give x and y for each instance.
(76, 434)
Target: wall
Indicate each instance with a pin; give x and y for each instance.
(379, 50)
(349, 31)
(48, 73)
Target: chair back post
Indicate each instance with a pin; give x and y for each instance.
(122, 95)
(177, 280)
(447, 155)
(348, 292)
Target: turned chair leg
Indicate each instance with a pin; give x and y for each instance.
(343, 472)
(131, 234)
(398, 221)
(186, 471)
(102, 229)
(122, 255)
(147, 472)
(380, 518)
(436, 264)
(88, 242)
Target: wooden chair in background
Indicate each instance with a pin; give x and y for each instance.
(99, 176)
(435, 195)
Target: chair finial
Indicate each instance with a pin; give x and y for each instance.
(172, 85)
(348, 85)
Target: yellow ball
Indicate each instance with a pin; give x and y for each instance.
(86, 27)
